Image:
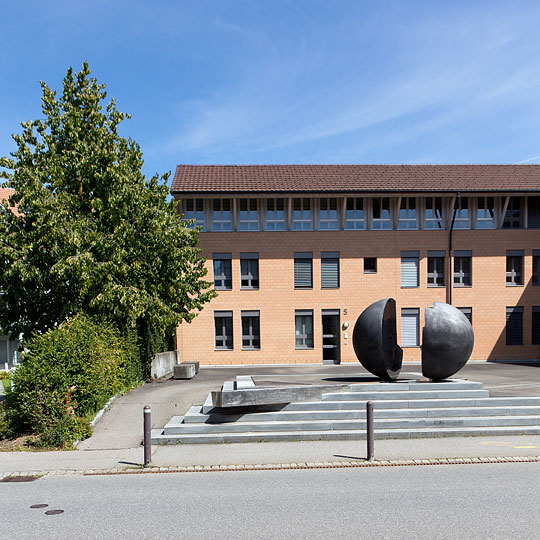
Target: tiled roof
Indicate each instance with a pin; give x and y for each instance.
(362, 178)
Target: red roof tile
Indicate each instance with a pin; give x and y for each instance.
(361, 178)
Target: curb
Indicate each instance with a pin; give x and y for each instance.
(276, 466)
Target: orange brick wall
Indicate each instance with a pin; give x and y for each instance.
(277, 299)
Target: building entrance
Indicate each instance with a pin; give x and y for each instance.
(330, 336)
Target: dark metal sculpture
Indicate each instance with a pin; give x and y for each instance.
(447, 341)
(375, 341)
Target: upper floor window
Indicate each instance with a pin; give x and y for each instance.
(462, 268)
(328, 214)
(330, 270)
(303, 270)
(302, 215)
(408, 217)
(276, 216)
(355, 216)
(514, 267)
(435, 274)
(533, 213)
(409, 268)
(433, 217)
(193, 209)
(513, 214)
(248, 216)
(249, 270)
(381, 214)
(222, 271)
(221, 215)
(462, 212)
(485, 213)
(536, 267)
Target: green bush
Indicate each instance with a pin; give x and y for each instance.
(66, 375)
(5, 375)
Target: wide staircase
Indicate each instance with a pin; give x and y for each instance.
(401, 410)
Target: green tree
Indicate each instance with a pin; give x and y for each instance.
(93, 235)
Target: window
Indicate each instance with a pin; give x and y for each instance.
(536, 267)
(409, 268)
(224, 330)
(222, 271)
(381, 214)
(485, 213)
(251, 330)
(355, 217)
(303, 270)
(370, 265)
(330, 270)
(462, 215)
(536, 325)
(409, 327)
(248, 216)
(193, 209)
(514, 268)
(249, 270)
(221, 215)
(467, 311)
(462, 268)
(302, 219)
(328, 214)
(512, 216)
(435, 275)
(433, 217)
(303, 321)
(514, 325)
(407, 214)
(276, 217)
(533, 213)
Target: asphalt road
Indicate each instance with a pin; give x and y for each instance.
(437, 502)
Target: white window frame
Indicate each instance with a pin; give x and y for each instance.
(434, 223)
(379, 223)
(409, 219)
(483, 222)
(412, 316)
(304, 221)
(462, 220)
(276, 223)
(327, 221)
(220, 223)
(357, 219)
(196, 214)
(248, 218)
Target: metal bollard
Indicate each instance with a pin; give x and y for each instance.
(147, 434)
(370, 436)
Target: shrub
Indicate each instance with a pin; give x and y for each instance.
(66, 375)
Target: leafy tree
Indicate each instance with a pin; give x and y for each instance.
(92, 235)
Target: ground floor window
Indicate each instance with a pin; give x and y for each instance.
(251, 330)
(536, 325)
(223, 323)
(410, 318)
(303, 329)
(467, 311)
(514, 325)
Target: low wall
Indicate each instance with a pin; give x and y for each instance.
(162, 363)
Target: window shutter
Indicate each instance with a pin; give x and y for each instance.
(409, 269)
(330, 270)
(409, 327)
(303, 271)
(514, 325)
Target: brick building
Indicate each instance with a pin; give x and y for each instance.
(297, 252)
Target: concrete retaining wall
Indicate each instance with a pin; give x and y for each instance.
(162, 363)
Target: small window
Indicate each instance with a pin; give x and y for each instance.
(536, 325)
(462, 268)
(303, 270)
(381, 214)
(355, 217)
(408, 216)
(249, 270)
(462, 218)
(514, 325)
(436, 263)
(514, 268)
(409, 269)
(410, 318)
(536, 267)
(193, 210)
(328, 214)
(485, 213)
(223, 323)
(248, 216)
(467, 311)
(433, 217)
(222, 271)
(303, 329)
(370, 265)
(513, 214)
(221, 215)
(276, 216)
(302, 217)
(330, 270)
(251, 330)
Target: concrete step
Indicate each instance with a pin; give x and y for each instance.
(346, 424)
(193, 416)
(415, 386)
(159, 438)
(405, 395)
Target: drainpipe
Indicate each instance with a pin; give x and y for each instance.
(450, 275)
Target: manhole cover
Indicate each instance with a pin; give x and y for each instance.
(54, 512)
(19, 478)
(39, 506)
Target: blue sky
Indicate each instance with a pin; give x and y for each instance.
(297, 81)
